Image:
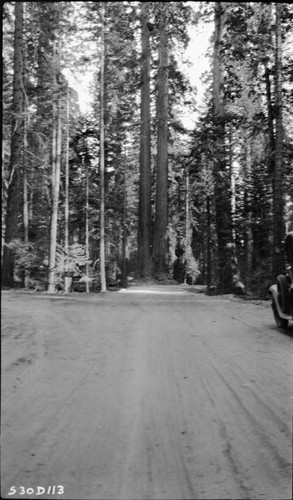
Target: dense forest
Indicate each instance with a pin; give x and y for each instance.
(127, 189)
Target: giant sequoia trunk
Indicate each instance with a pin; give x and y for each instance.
(278, 204)
(56, 168)
(160, 248)
(13, 200)
(144, 212)
(102, 165)
(221, 173)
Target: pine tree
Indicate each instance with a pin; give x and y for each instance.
(278, 201)
(144, 222)
(222, 188)
(56, 168)
(16, 155)
(160, 248)
(102, 163)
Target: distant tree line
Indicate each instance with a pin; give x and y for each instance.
(127, 188)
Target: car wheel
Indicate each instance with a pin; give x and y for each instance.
(280, 322)
(284, 295)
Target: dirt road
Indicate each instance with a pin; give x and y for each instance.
(144, 396)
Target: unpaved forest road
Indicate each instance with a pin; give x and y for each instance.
(145, 396)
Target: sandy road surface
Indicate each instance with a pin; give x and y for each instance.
(144, 396)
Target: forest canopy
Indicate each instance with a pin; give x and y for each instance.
(128, 188)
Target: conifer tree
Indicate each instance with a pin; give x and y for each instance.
(222, 188)
(160, 248)
(102, 161)
(16, 155)
(144, 211)
(57, 107)
(278, 201)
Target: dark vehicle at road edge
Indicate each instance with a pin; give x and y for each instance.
(282, 291)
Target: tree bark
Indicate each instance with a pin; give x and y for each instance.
(102, 164)
(271, 144)
(187, 223)
(209, 249)
(68, 278)
(55, 202)
(124, 225)
(160, 249)
(237, 284)
(278, 203)
(87, 223)
(13, 199)
(25, 182)
(221, 173)
(56, 167)
(66, 194)
(144, 222)
(248, 237)
(25, 201)
(266, 19)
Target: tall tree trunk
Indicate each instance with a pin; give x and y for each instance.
(209, 250)
(45, 82)
(55, 202)
(24, 164)
(25, 188)
(187, 222)
(248, 237)
(13, 199)
(237, 284)
(160, 249)
(144, 222)
(56, 167)
(278, 203)
(221, 174)
(232, 184)
(87, 223)
(271, 143)
(102, 163)
(66, 194)
(124, 225)
(67, 279)
(25, 200)
(266, 19)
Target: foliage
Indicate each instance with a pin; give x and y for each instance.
(26, 254)
(71, 262)
(260, 280)
(30, 267)
(248, 70)
(191, 265)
